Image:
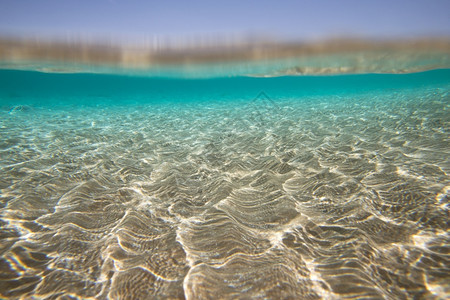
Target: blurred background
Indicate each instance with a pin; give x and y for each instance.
(139, 32)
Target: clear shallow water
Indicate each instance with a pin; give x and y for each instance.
(290, 187)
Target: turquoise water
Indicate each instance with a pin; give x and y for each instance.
(28, 87)
(132, 187)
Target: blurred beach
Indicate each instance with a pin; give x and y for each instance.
(214, 57)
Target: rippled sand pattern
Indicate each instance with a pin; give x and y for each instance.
(319, 197)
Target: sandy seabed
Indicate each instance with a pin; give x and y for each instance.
(319, 197)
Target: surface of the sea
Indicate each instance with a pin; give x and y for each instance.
(117, 186)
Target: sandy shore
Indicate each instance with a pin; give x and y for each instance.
(323, 57)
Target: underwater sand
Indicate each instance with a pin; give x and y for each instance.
(116, 187)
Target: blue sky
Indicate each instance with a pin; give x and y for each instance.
(138, 19)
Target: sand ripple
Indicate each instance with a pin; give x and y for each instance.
(321, 197)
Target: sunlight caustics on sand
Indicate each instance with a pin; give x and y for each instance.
(301, 187)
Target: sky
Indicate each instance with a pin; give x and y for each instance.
(284, 19)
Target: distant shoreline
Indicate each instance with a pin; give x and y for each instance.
(339, 56)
